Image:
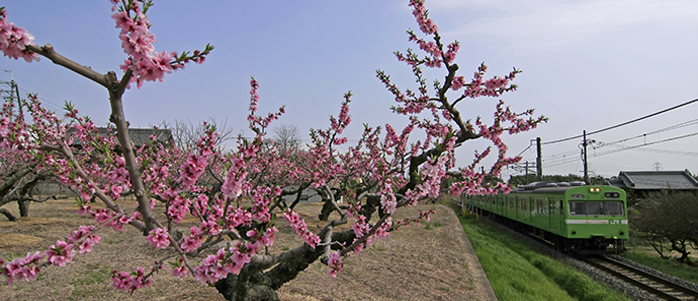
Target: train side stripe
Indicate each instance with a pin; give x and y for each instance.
(586, 221)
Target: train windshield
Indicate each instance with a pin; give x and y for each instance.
(596, 208)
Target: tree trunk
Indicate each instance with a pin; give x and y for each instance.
(327, 209)
(247, 286)
(253, 284)
(372, 202)
(23, 208)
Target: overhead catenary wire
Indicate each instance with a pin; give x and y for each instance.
(563, 155)
(622, 124)
(562, 162)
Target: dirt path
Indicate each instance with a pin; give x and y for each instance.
(417, 262)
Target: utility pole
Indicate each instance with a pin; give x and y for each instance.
(586, 166)
(526, 169)
(539, 160)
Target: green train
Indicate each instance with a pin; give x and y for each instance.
(577, 218)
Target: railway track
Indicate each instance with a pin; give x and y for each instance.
(661, 288)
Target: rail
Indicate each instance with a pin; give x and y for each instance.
(660, 287)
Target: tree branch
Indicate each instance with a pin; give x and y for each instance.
(48, 52)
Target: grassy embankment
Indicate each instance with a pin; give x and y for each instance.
(519, 272)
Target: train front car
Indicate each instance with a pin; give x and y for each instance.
(595, 221)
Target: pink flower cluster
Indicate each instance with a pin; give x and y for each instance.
(298, 224)
(14, 40)
(24, 268)
(388, 200)
(335, 264)
(84, 233)
(130, 282)
(137, 42)
(344, 118)
(61, 253)
(217, 266)
(257, 123)
(233, 185)
(180, 270)
(104, 216)
(450, 55)
(425, 24)
(159, 238)
(178, 208)
(193, 241)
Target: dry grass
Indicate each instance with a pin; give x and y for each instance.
(418, 262)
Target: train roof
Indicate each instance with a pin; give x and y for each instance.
(548, 187)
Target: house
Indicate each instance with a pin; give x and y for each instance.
(644, 184)
(138, 136)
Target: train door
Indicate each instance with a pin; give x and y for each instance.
(555, 215)
(560, 215)
(551, 212)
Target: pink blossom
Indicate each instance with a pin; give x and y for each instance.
(191, 244)
(159, 238)
(60, 253)
(335, 264)
(180, 272)
(301, 228)
(458, 82)
(21, 268)
(14, 40)
(130, 282)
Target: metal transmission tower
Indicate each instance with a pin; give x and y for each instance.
(657, 166)
(11, 94)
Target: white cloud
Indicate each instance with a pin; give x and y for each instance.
(545, 24)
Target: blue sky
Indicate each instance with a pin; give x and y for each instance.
(586, 65)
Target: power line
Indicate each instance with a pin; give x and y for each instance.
(562, 162)
(624, 123)
(673, 127)
(562, 156)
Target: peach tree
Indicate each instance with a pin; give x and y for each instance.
(235, 195)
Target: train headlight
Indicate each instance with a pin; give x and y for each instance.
(594, 189)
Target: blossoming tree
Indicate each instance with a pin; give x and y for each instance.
(235, 196)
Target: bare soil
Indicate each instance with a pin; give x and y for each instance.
(417, 262)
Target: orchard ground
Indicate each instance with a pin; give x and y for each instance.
(417, 262)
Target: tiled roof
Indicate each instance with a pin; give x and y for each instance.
(656, 180)
(139, 136)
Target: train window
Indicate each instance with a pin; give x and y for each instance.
(552, 208)
(596, 208)
(578, 208)
(613, 208)
(511, 202)
(561, 208)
